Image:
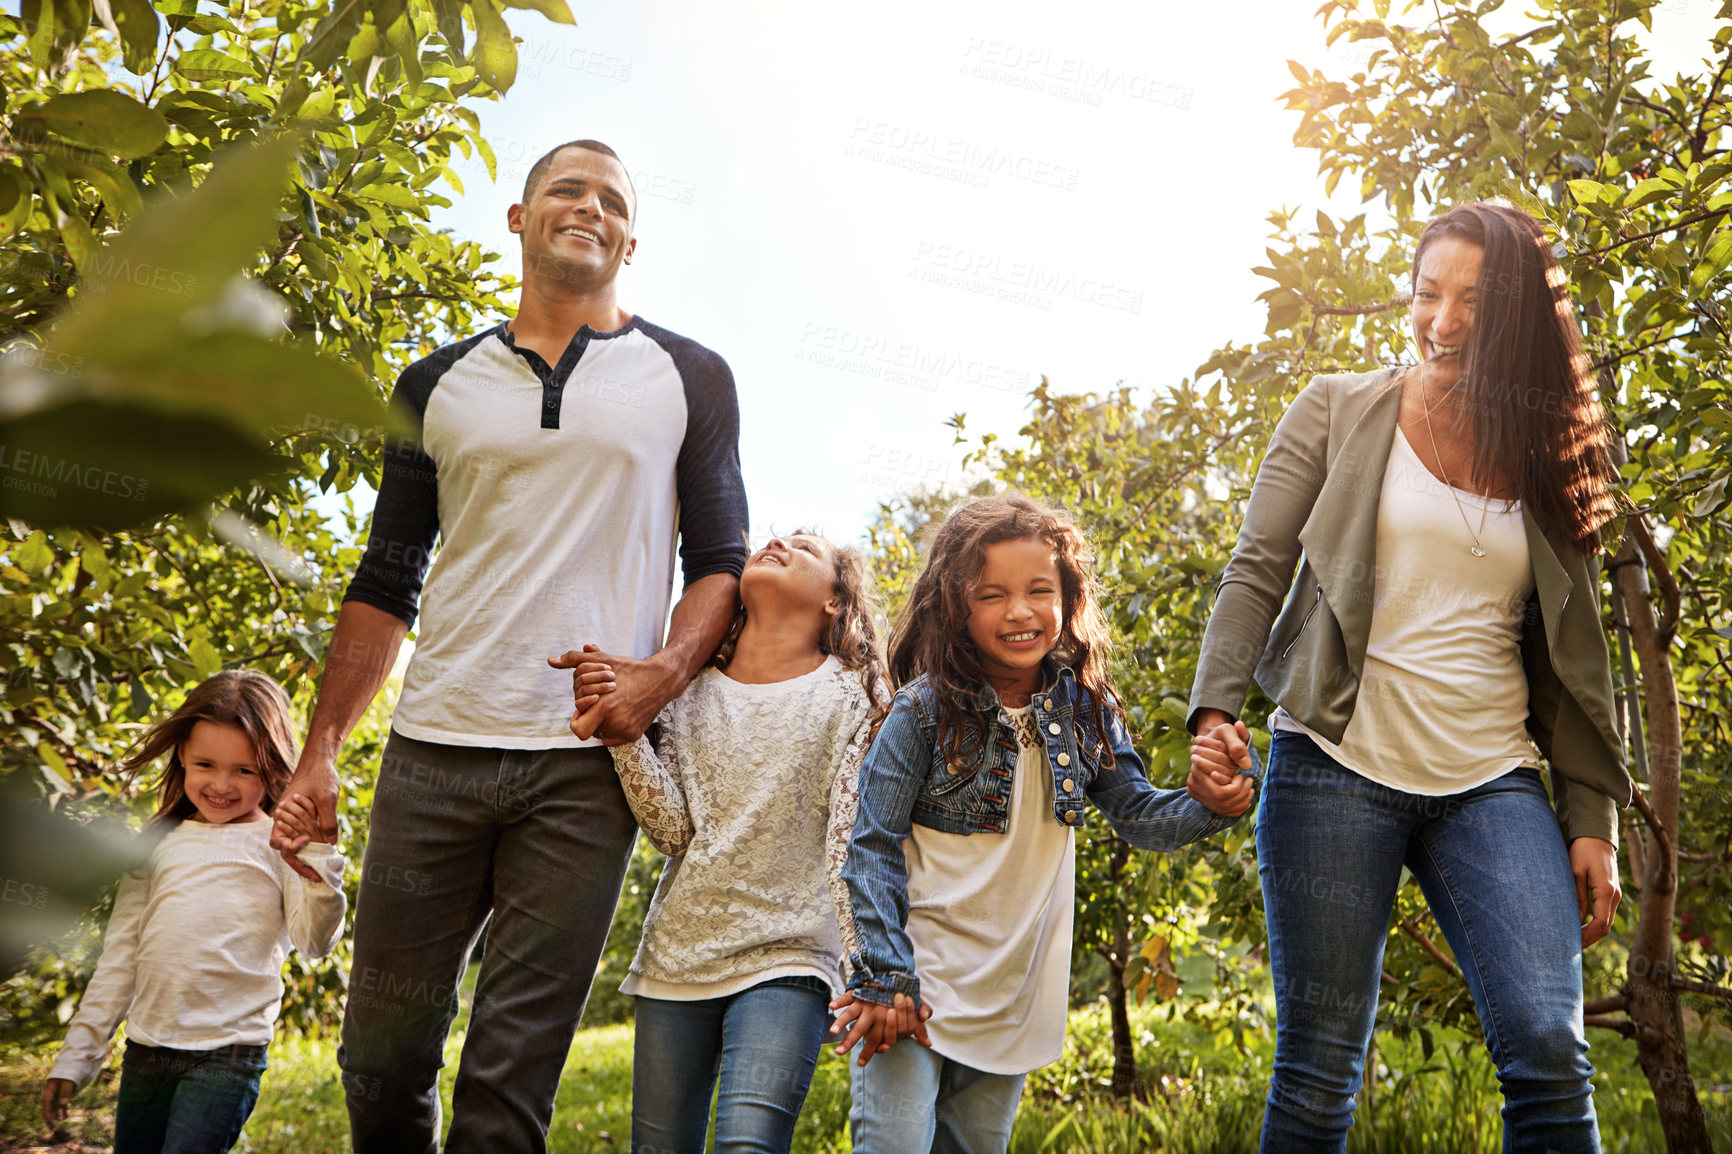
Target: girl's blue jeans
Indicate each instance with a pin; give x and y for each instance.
(1493, 867)
(185, 1101)
(913, 1100)
(761, 1043)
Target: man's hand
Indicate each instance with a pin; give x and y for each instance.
(56, 1101)
(1594, 861)
(878, 1027)
(616, 697)
(314, 789)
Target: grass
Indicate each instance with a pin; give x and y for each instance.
(1205, 1099)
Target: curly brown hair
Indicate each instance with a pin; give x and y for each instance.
(932, 638)
(1526, 387)
(852, 637)
(252, 703)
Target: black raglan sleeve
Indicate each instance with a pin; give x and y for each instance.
(712, 493)
(406, 514)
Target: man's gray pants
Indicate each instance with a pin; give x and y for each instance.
(539, 839)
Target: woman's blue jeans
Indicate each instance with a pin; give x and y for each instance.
(185, 1101)
(762, 1043)
(1494, 869)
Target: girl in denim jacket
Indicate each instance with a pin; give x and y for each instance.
(960, 875)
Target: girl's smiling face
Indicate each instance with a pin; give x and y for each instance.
(1016, 610)
(222, 774)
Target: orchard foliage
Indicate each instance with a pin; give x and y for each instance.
(215, 257)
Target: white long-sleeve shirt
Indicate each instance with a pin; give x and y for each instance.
(193, 957)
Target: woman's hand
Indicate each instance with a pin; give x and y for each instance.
(878, 1027)
(56, 1101)
(1220, 749)
(1594, 860)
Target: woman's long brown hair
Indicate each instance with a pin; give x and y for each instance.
(1525, 387)
(932, 637)
(252, 703)
(853, 637)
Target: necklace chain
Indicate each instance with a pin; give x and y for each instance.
(1478, 550)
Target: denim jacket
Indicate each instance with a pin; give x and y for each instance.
(906, 781)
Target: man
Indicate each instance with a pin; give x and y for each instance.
(560, 455)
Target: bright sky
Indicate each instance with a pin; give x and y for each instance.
(886, 214)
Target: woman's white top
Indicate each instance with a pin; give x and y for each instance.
(193, 956)
(1443, 702)
(752, 791)
(990, 918)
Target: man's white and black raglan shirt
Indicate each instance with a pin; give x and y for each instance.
(558, 493)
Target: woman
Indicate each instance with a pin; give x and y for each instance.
(1445, 611)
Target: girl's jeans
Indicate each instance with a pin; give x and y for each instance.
(763, 1043)
(185, 1101)
(1494, 869)
(911, 1100)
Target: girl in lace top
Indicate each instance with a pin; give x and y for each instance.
(749, 785)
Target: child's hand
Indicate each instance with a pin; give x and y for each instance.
(879, 1027)
(589, 680)
(56, 1101)
(1217, 755)
(296, 816)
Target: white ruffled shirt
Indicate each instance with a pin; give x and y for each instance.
(193, 956)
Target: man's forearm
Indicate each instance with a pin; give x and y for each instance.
(697, 626)
(363, 649)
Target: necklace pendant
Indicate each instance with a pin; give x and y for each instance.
(1478, 552)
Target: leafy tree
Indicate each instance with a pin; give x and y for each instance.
(215, 256)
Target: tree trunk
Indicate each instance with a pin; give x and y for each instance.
(1125, 1079)
(1651, 1002)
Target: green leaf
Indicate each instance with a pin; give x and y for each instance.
(1649, 191)
(1592, 192)
(102, 119)
(115, 187)
(179, 253)
(112, 466)
(554, 10)
(209, 65)
(140, 31)
(35, 555)
(332, 34)
(495, 51)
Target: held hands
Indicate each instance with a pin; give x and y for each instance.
(1594, 861)
(1219, 751)
(297, 821)
(307, 812)
(616, 698)
(56, 1101)
(879, 1027)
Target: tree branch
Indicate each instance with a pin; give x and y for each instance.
(1619, 1025)
(1710, 990)
(1699, 138)
(1671, 597)
(1655, 825)
(1323, 310)
(1674, 227)
(1425, 943)
(1606, 1005)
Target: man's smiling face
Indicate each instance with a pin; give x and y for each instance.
(577, 222)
